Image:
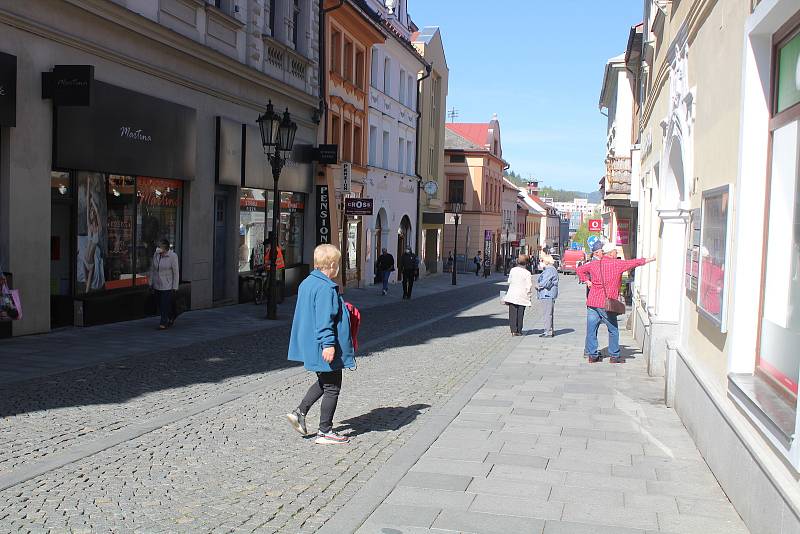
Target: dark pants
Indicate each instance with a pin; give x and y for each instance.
(516, 313)
(327, 386)
(477, 269)
(408, 283)
(165, 306)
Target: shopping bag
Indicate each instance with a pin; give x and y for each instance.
(503, 297)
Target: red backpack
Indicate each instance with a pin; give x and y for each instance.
(355, 322)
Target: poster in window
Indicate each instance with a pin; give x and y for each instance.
(713, 255)
(92, 232)
(623, 231)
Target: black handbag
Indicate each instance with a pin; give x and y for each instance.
(614, 306)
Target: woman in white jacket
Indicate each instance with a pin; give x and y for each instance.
(518, 296)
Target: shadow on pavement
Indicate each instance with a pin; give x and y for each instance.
(386, 418)
(231, 358)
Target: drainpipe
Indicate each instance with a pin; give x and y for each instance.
(428, 69)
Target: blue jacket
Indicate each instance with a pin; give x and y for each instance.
(548, 284)
(320, 321)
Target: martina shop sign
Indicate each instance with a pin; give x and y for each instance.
(126, 132)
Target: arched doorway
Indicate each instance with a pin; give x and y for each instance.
(403, 240)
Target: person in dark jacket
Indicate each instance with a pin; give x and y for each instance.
(478, 263)
(385, 266)
(410, 267)
(321, 338)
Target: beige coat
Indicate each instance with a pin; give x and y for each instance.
(520, 287)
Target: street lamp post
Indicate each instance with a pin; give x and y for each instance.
(507, 225)
(277, 137)
(455, 208)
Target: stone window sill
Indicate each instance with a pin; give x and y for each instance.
(760, 401)
(228, 20)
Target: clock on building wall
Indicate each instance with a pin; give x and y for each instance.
(431, 187)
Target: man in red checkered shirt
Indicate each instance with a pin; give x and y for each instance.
(604, 278)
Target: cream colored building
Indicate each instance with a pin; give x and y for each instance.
(430, 152)
(720, 140)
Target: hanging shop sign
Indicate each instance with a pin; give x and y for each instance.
(595, 225)
(358, 206)
(8, 90)
(126, 132)
(347, 175)
(327, 154)
(323, 215)
(69, 85)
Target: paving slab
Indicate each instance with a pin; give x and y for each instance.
(585, 448)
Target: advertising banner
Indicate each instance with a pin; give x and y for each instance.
(623, 231)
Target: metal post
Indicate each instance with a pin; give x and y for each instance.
(455, 248)
(272, 303)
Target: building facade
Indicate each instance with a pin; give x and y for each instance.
(351, 29)
(430, 152)
(147, 131)
(392, 182)
(619, 96)
(474, 168)
(718, 205)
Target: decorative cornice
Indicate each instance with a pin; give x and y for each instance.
(164, 36)
(695, 18)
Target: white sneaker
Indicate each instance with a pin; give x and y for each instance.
(298, 422)
(330, 438)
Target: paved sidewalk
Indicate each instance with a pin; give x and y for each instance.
(547, 443)
(64, 349)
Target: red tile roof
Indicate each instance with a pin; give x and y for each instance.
(477, 133)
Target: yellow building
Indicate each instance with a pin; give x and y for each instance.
(430, 152)
(474, 168)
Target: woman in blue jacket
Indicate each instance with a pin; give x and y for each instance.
(321, 339)
(547, 292)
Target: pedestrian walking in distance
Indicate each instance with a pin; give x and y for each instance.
(604, 278)
(518, 296)
(409, 264)
(164, 280)
(385, 267)
(547, 293)
(322, 340)
(478, 263)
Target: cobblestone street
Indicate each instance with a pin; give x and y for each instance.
(193, 439)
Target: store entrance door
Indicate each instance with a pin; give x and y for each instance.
(220, 245)
(431, 250)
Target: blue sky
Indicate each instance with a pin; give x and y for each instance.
(539, 65)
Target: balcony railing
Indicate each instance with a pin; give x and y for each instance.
(618, 177)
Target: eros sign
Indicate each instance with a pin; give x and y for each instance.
(358, 206)
(323, 215)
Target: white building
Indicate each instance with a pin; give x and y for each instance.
(578, 205)
(391, 179)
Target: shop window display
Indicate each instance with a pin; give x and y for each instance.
(255, 225)
(713, 255)
(158, 216)
(119, 221)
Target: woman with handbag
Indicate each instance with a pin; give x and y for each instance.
(604, 278)
(518, 296)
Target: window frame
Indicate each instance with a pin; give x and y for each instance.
(777, 121)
